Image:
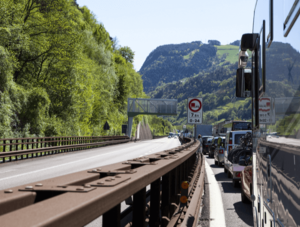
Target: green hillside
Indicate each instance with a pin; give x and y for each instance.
(61, 74)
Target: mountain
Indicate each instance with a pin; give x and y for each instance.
(216, 83)
(174, 62)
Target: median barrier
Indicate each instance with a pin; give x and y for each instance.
(14, 149)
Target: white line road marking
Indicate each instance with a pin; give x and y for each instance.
(53, 167)
(217, 216)
(6, 171)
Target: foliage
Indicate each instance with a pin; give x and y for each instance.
(60, 73)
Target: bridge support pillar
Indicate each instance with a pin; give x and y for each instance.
(129, 126)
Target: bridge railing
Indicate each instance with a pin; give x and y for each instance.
(79, 198)
(12, 149)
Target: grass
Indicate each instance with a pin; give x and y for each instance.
(190, 55)
(223, 109)
(231, 50)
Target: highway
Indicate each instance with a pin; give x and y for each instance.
(236, 213)
(33, 170)
(231, 209)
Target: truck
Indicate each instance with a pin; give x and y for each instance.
(204, 130)
(232, 143)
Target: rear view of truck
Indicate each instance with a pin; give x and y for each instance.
(235, 148)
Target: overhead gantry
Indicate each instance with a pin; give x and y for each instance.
(149, 107)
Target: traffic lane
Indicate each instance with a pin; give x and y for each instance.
(236, 212)
(37, 169)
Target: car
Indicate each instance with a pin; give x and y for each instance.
(205, 143)
(169, 137)
(219, 151)
(214, 144)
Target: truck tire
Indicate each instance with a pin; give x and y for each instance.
(244, 198)
(225, 170)
(235, 183)
(219, 163)
(216, 162)
(228, 174)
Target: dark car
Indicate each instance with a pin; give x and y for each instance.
(206, 142)
(214, 144)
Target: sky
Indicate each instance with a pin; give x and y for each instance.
(144, 25)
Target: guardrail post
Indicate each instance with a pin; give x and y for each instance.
(10, 149)
(112, 217)
(184, 171)
(4, 149)
(174, 191)
(139, 208)
(155, 203)
(165, 199)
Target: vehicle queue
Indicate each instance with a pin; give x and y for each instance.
(230, 147)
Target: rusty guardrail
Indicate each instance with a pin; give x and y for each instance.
(77, 199)
(24, 148)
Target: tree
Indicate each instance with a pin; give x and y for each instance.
(127, 53)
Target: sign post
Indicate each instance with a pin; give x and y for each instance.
(194, 111)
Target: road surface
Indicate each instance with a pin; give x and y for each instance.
(37, 169)
(237, 214)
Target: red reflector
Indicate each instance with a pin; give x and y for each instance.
(206, 145)
(220, 151)
(230, 141)
(238, 174)
(230, 147)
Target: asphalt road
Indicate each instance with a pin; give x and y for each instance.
(37, 169)
(237, 214)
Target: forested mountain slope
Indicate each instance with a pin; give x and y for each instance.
(174, 62)
(60, 72)
(216, 85)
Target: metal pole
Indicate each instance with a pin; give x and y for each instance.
(195, 136)
(129, 126)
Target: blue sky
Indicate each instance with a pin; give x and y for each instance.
(144, 25)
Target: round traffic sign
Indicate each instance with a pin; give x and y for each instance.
(195, 105)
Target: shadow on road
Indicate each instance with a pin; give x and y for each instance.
(228, 188)
(243, 210)
(222, 177)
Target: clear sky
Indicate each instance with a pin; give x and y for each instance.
(144, 25)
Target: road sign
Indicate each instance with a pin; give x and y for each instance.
(106, 126)
(124, 129)
(194, 111)
(266, 110)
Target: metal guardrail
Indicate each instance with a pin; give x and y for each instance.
(14, 149)
(79, 198)
(158, 137)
